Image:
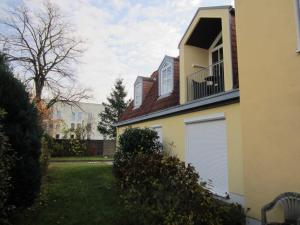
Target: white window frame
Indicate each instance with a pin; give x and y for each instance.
(155, 127)
(297, 8)
(138, 92)
(166, 77)
(213, 47)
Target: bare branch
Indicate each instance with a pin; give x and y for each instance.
(41, 43)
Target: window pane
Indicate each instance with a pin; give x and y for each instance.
(166, 78)
(138, 94)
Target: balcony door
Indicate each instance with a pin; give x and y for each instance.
(217, 66)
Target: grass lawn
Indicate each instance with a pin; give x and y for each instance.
(80, 158)
(74, 194)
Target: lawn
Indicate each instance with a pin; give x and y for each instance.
(80, 159)
(74, 194)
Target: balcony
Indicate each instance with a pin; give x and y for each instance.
(206, 82)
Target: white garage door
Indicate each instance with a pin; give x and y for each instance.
(207, 151)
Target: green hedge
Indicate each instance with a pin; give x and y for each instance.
(7, 160)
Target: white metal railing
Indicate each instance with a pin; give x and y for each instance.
(205, 82)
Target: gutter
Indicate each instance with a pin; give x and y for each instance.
(228, 96)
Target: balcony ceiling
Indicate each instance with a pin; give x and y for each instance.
(205, 32)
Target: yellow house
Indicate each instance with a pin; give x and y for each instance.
(228, 103)
(268, 45)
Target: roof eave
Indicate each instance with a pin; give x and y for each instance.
(210, 100)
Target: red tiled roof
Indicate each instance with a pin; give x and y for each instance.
(151, 101)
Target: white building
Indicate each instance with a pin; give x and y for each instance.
(65, 117)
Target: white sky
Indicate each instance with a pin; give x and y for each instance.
(124, 38)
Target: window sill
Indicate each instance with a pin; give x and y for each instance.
(136, 107)
(164, 96)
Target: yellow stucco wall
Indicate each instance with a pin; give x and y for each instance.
(173, 131)
(269, 73)
(192, 55)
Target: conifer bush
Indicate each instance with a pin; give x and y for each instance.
(6, 163)
(22, 126)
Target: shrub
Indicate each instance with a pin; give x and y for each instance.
(22, 127)
(135, 140)
(6, 163)
(230, 213)
(67, 147)
(159, 189)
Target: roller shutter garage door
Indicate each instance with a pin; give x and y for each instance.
(206, 143)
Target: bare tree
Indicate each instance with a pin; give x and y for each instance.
(43, 45)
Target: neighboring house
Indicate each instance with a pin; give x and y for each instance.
(245, 145)
(65, 117)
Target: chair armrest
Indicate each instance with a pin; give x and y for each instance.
(264, 216)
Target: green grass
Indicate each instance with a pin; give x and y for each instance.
(74, 194)
(80, 158)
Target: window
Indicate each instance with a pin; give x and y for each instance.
(297, 4)
(166, 77)
(79, 116)
(138, 92)
(57, 136)
(73, 116)
(72, 126)
(158, 129)
(90, 117)
(57, 115)
(72, 136)
(78, 125)
(89, 127)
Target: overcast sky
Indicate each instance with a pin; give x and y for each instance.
(124, 38)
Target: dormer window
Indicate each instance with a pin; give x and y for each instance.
(138, 92)
(166, 75)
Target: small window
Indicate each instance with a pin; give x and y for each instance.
(138, 91)
(297, 2)
(72, 126)
(89, 127)
(78, 125)
(73, 116)
(57, 115)
(90, 117)
(72, 136)
(166, 77)
(158, 129)
(79, 116)
(57, 136)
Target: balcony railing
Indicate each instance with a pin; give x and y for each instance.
(205, 82)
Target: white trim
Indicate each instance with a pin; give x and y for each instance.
(219, 36)
(156, 126)
(210, 117)
(297, 10)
